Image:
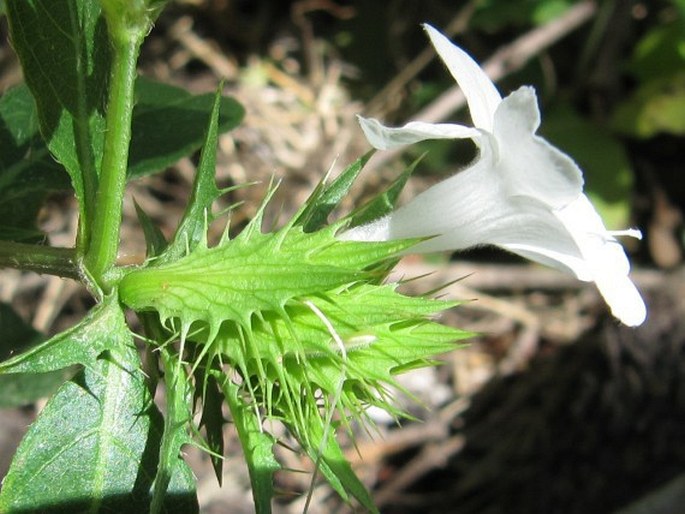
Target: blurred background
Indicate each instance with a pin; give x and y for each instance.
(553, 407)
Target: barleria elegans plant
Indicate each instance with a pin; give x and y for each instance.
(296, 326)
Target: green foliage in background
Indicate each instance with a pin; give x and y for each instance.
(658, 64)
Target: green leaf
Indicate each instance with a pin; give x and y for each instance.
(383, 332)
(193, 227)
(660, 52)
(656, 107)
(170, 123)
(81, 344)
(64, 53)
(213, 421)
(181, 495)
(154, 239)
(325, 198)
(92, 449)
(257, 447)
(173, 477)
(27, 171)
(23, 388)
(607, 169)
(383, 203)
(291, 369)
(335, 468)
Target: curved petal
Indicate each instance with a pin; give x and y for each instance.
(607, 260)
(623, 298)
(530, 166)
(518, 113)
(483, 216)
(532, 231)
(481, 94)
(616, 288)
(563, 261)
(520, 193)
(443, 208)
(599, 248)
(383, 138)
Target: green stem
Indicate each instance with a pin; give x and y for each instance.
(104, 242)
(42, 259)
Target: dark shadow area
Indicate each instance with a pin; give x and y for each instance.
(591, 428)
(174, 504)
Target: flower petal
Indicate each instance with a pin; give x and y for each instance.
(599, 248)
(561, 260)
(530, 165)
(623, 298)
(606, 259)
(481, 94)
(377, 230)
(383, 138)
(518, 113)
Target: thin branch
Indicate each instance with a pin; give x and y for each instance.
(60, 262)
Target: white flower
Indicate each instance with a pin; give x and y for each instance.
(521, 193)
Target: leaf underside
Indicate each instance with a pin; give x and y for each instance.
(92, 449)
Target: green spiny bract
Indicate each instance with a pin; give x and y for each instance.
(271, 306)
(254, 273)
(293, 368)
(298, 327)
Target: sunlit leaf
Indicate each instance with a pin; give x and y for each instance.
(254, 272)
(326, 197)
(81, 344)
(657, 107)
(198, 214)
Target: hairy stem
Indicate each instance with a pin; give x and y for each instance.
(42, 259)
(104, 241)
